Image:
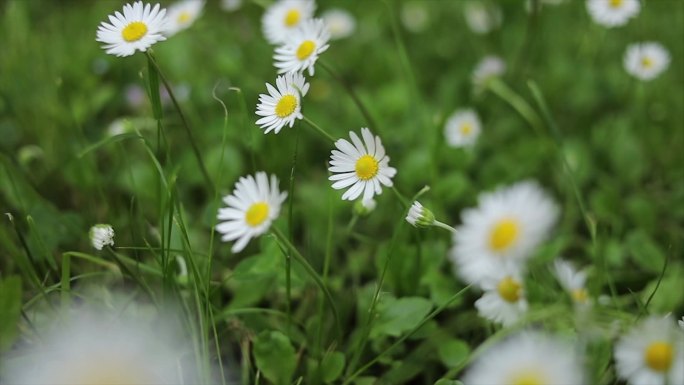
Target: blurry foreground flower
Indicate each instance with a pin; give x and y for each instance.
(572, 281)
(182, 14)
(361, 165)
(137, 29)
(646, 61)
(488, 68)
(612, 13)
(482, 17)
(505, 227)
(681, 323)
(231, 5)
(462, 128)
(303, 45)
(284, 17)
(363, 207)
(252, 207)
(527, 358)
(283, 105)
(101, 235)
(340, 23)
(414, 16)
(504, 298)
(652, 353)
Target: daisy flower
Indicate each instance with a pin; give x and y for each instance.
(419, 216)
(284, 17)
(361, 165)
(645, 61)
(504, 299)
(252, 207)
(488, 68)
(572, 281)
(339, 22)
(612, 13)
(527, 358)
(137, 29)
(302, 47)
(462, 128)
(182, 14)
(283, 104)
(507, 225)
(101, 235)
(482, 17)
(652, 353)
(231, 5)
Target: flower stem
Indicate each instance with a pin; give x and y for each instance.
(444, 226)
(364, 111)
(319, 129)
(498, 87)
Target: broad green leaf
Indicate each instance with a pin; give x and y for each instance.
(275, 357)
(645, 252)
(332, 366)
(453, 352)
(397, 316)
(10, 309)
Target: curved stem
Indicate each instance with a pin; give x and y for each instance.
(319, 129)
(364, 111)
(444, 226)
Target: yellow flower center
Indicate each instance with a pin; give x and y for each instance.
(366, 167)
(256, 214)
(646, 62)
(509, 289)
(580, 295)
(658, 356)
(184, 17)
(466, 129)
(615, 3)
(292, 17)
(134, 31)
(528, 377)
(504, 235)
(286, 106)
(305, 49)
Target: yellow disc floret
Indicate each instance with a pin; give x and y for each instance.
(184, 17)
(615, 3)
(580, 295)
(366, 167)
(134, 31)
(646, 62)
(658, 356)
(509, 289)
(504, 235)
(305, 49)
(292, 17)
(466, 129)
(529, 377)
(286, 106)
(256, 214)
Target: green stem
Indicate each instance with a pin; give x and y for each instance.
(364, 111)
(499, 88)
(445, 227)
(288, 260)
(319, 129)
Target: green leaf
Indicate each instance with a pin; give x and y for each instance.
(10, 303)
(453, 352)
(332, 366)
(669, 294)
(396, 316)
(275, 357)
(645, 252)
(444, 381)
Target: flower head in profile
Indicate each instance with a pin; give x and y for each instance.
(252, 207)
(462, 128)
(283, 103)
(527, 358)
(182, 14)
(362, 166)
(645, 61)
(612, 13)
(419, 216)
(363, 207)
(572, 281)
(482, 17)
(283, 17)
(302, 47)
(137, 29)
(488, 68)
(339, 22)
(506, 226)
(652, 353)
(504, 299)
(101, 235)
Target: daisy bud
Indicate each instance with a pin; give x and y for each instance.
(364, 207)
(101, 235)
(419, 216)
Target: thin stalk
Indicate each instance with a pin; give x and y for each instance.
(445, 227)
(319, 129)
(326, 267)
(499, 88)
(290, 220)
(364, 111)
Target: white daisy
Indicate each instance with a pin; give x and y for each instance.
(231, 5)
(340, 23)
(361, 165)
(488, 68)
(462, 128)
(507, 225)
(504, 299)
(283, 104)
(646, 61)
(182, 14)
(302, 47)
(419, 216)
(137, 29)
(101, 235)
(252, 207)
(612, 13)
(572, 281)
(482, 17)
(283, 17)
(652, 353)
(527, 358)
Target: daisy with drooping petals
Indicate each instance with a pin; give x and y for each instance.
(182, 14)
(419, 216)
(652, 353)
(488, 68)
(340, 23)
(283, 104)
(101, 235)
(137, 29)
(302, 47)
(612, 13)
(646, 61)
(504, 298)
(283, 17)
(527, 358)
(252, 207)
(572, 281)
(507, 226)
(361, 165)
(462, 128)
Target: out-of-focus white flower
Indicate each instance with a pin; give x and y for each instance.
(363, 207)
(462, 128)
(482, 17)
(182, 14)
(284, 17)
(137, 29)
(572, 281)
(340, 23)
(504, 299)
(231, 5)
(488, 68)
(612, 13)
(302, 47)
(414, 16)
(646, 61)
(101, 235)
